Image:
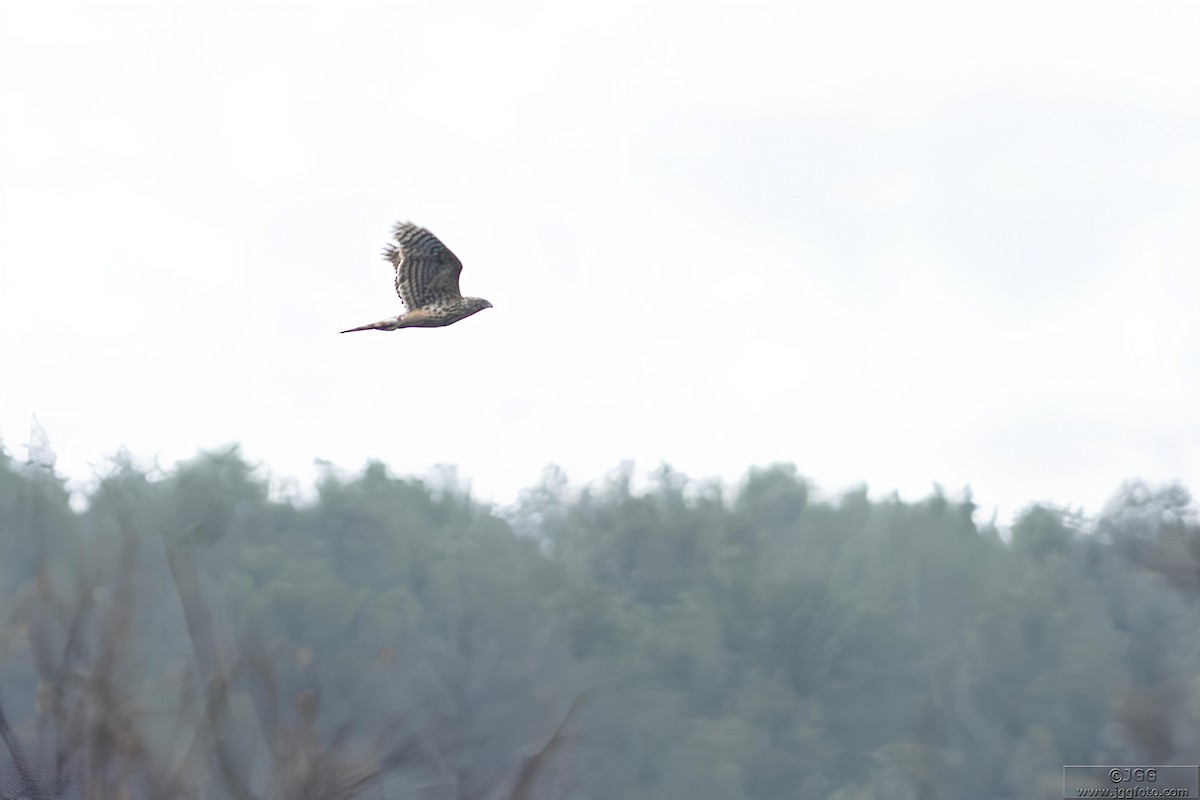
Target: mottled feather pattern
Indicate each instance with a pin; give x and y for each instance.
(426, 281)
(392, 253)
(426, 271)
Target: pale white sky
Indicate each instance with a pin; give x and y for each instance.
(891, 243)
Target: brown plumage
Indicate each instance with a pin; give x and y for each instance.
(427, 282)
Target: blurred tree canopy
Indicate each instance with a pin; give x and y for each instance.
(755, 643)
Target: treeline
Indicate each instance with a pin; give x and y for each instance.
(756, 643)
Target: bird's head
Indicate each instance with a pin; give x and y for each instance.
(475, 304)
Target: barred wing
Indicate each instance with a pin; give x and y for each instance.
(426, 271)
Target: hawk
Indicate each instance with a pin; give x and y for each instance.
(427, 282)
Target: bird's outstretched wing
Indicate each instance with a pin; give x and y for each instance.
(426, 271)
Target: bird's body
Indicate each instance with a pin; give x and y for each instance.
(426, 281)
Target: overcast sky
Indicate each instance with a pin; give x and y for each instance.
(893, 243)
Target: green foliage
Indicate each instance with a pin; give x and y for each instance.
(770, 644)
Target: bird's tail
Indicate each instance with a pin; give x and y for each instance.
(382, 325)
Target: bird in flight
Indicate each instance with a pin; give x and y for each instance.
(427, 282)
